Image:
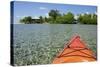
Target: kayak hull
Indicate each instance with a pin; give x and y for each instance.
(72, 59)
(75, 51)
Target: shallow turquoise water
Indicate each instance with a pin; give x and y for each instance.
(40, 43)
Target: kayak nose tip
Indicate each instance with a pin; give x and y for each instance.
(76, 36)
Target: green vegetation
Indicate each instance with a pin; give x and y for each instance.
(55, 17)
(27, 20)
(68, 18)
(53, 14)
(88, 19)
(41, 19)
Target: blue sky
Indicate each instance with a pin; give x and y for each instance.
(34, 9)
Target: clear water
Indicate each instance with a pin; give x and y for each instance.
(40, 43)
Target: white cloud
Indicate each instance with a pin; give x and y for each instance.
(82, 14)
(47, 15)
(35, 17)
(18, 16)
(42, 8)
(76, 17)
(96, 13)
(22, 16)
(87, 12)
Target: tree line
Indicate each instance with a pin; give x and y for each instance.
(55, 17)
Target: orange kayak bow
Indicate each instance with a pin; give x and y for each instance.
(74, 51)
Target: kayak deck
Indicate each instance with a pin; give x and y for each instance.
(74, 51)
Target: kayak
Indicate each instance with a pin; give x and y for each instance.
(75, 51)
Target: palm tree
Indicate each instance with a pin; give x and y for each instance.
(41, 19)
(53, 14)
